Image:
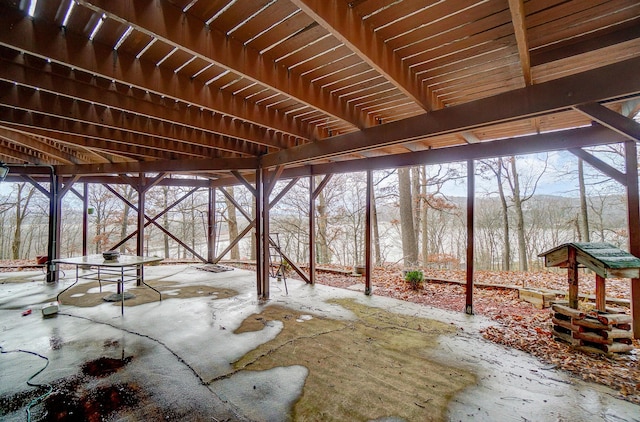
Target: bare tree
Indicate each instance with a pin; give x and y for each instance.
(105, 206)
(409, 242)
(232, 222)
(522, 192)
(584, 216)
(496, 167)
(23, 197)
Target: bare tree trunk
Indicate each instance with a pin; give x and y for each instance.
(323, 246)
(376, 230)
(517, 203)
(423, 215)
(21, 212)
(506, 259)
(232, 224)
(253, 237)
(409, 244)
(165, 220)
(416, 202)
(124, 224)
(584, 216)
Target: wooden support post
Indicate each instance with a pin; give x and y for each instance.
(141, 221)
(53, 250)
(633, 210)
(266, 191)
(85, 218)
(211, 226)
(471, 188)
(367, 235)
(600, 293)
(572, 278)
(312, 229)
(259, 219)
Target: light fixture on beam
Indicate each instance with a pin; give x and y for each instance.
(4, 170)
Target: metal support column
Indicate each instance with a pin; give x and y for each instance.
(470, 241)
(633, 210)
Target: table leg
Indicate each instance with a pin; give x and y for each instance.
(72, 284)
(121, 288)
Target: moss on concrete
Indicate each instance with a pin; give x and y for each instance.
(372, 367)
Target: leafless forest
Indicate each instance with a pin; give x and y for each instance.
(419, 215)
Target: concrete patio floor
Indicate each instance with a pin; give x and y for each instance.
(218, 354)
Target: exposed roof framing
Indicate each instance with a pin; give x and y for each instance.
(210, 87)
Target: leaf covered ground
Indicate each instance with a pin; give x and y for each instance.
(518, 323)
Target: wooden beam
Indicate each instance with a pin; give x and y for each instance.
(96, 138)
(613, 120)
(211, 224)
(343, 22)
(66, 110)
(471, 193)
(49, 41)
(284, 191)
(633, 219)
(520, 28)
(169, 166)
(367, 235)
(21, 154)
(323, 183)
(593, 41)
(245, 182)
(600, 165)
(165, 21)
(312, 229)
(19, 71)
(553, 141)
(604, 83)
(30, 142)
(572, 278)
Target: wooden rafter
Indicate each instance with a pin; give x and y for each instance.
(343, 22)
(48, 41)
(165, 21)
(520, 28)
(607, 82)
(189, 117)
(615, 121)
(29, 141)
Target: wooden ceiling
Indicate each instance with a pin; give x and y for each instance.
(213, 86)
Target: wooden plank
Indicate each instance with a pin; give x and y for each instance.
(572, 274)
(540, 299)
(556, 258)
(615, 319)
(592, 338)
(590, 349)
(565, 337)
(573, 313)
(617, 333)
(616, 347)
(590, 323)
(600, 293)
(565, 324)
